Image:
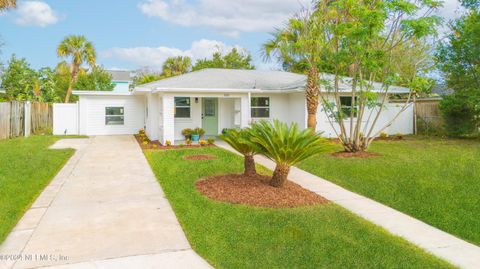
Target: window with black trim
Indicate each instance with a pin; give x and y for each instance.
(114, 115)
(182, 107)
(260, 107)
(346, 105)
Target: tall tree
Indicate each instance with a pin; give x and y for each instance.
(81, 51)
(95, 79)
(458, 58)
(18, 79)
(175, 66)
(232, 60)
(297, 46)
(362, 39)
(6, 4)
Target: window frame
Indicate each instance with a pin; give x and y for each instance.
(260, 107)
(182, 106)
(346, 109)
(121, 115)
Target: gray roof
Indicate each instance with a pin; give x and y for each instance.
(235, 79)
(120, 75)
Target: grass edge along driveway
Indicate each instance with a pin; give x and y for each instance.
(26, 167)
(434, 180)
(238, 236)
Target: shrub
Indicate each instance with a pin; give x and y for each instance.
(168, 143)
(181, 145)
(188, 141)
(202, 142)
(155, 146)
(141, 131)
(461, 112)
(286, 145)
(211, 141)
(240, 141)
(187, 133)
(145, 142)
(399, 136)
(383, 135)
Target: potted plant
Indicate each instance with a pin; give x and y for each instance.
(187, 133)
(197, 133)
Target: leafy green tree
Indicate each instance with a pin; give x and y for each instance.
(458, 58)
(286, 145)
(232, 60)
(146, 78)
(240, 141)
(363, 39)
(47, 86)
(175, 66)
(96, 79)
(80, 50)
(18, 79)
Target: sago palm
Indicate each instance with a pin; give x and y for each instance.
(239, 140)
(286, 145)
(6, 4)
(175, 66)
(81, 51)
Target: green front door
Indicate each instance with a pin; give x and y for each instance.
(210, 116)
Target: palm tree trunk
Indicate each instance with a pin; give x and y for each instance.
(70, 85)
(280, 175)
(249, 166)
(311, 94)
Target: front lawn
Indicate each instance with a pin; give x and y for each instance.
(238, 236)
(26, 168)
(434, 180)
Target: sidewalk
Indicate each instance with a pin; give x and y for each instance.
(435, 241)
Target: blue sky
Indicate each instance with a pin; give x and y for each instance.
(131, 34)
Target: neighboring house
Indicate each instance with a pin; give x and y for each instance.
(213, 99)
(121, 79)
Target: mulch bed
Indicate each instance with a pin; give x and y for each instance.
(199, 157)
(156, 145)
(255, 191)
(360, 154)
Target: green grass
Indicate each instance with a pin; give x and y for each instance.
(434, 180)
(26, 168)
(237, 236)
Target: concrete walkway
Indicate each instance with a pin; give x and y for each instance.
(435, 241)
(104, 209)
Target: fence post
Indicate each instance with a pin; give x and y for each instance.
(27, 118)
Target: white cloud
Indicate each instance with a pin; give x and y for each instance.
(228, 17)
(154, 57)
(35, 13)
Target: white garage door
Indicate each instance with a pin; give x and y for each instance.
(112, 115)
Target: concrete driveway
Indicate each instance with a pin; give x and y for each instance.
(104, 209)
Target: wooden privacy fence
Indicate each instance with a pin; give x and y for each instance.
(429, 118)
(22, 118)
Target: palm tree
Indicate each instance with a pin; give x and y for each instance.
(80, 50)
(285, 145)
(175, 66)
(297, 46)
(239, 140)
(6, 4)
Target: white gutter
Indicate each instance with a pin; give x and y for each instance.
(102, 93)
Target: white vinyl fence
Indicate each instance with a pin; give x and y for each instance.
(65, 119)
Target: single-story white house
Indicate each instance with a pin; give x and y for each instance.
(212, 99)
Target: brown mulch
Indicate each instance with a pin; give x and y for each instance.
(156, 145)
(360, 154)
(255, 191)
(199, 157)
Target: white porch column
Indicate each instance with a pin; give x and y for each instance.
(152, 116)
(245, 111)
(168, 106)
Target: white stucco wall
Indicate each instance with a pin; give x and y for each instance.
(92, 114)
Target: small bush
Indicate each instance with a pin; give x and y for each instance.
(399, 136)
(188, 142)
(198, 131)
(211, 141)
(461, 113)
(383, 135)
(187, 133)
(181, 145)
(202, 142)
(145, 142)
(168, 143)
(141, 131)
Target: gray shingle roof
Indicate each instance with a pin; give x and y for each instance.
(213, 78)
(120, 75)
